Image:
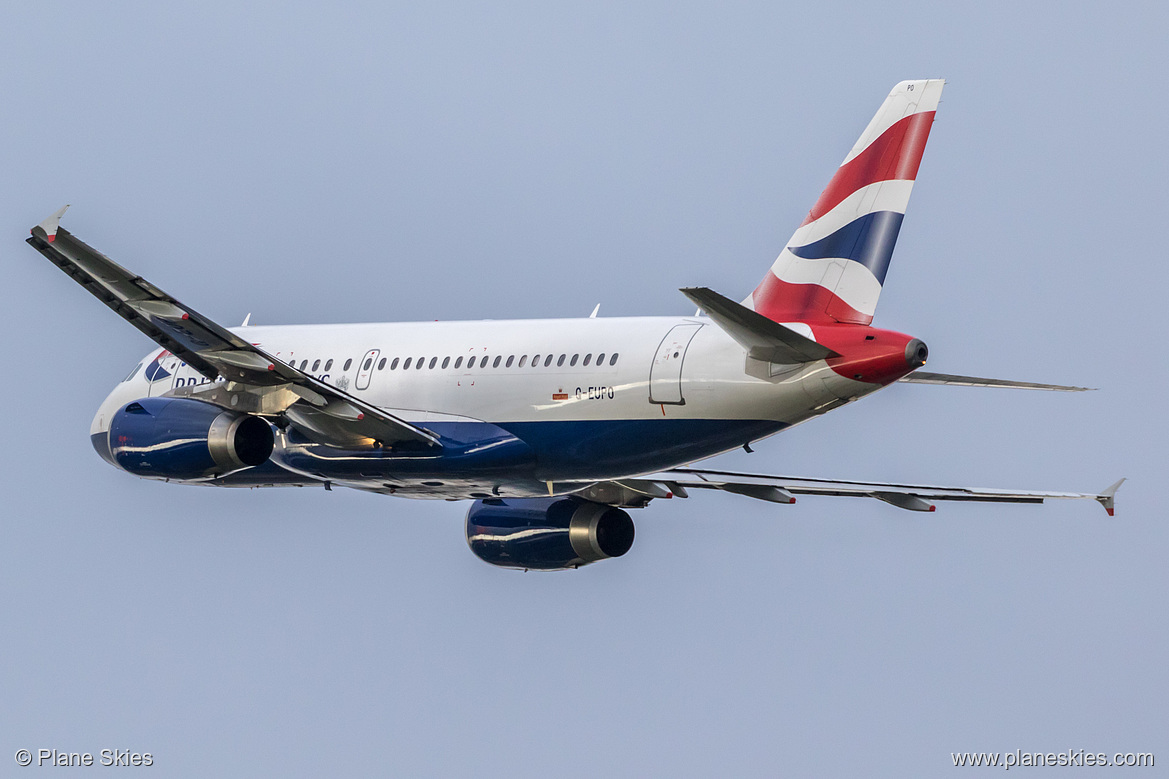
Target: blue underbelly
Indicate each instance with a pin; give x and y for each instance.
(612, 448)
(516, 452)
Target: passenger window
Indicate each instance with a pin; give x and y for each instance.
(445, 362)
(600, 359)
(510, 360)
(573, 360)
(523, 360)
(329, 365)
(458, 362)
(394, 364)
(348, 363)
(547, 361)
(536, 361)
(561, 360)
(364, 367)
(483, 362)
(433, 360)
(381, 364)
(133, 373)
(316, 365)
(613, 359)
(303, 364)
(470, 363)
(588, 358)
(496, 363)
(406, 365)
(420, 363)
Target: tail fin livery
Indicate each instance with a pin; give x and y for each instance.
(834, 265)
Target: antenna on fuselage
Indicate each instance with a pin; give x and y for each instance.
(595, 310)
(247, 319)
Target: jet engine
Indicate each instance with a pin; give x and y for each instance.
(547, 534)
(180, 438)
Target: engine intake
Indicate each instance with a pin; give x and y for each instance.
(179, 438)
(547, 534)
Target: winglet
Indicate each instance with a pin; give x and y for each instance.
(1108, 498)
(51, 224)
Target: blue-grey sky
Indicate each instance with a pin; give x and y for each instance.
(367, 162)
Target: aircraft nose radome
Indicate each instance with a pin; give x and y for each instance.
(99, 429)
(101, 445)
(99, 433)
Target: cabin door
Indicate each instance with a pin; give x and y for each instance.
(665, 375)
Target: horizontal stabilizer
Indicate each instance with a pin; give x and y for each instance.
(763, 339)
(924, 377)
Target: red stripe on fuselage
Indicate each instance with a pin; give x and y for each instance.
(782, 301)
(894, 155)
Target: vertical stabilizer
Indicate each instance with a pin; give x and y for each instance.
(834, 265)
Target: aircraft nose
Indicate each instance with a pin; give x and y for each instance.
(101, 445)
(99, 429)
(916, 353)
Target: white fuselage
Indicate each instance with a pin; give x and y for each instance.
(596, 398)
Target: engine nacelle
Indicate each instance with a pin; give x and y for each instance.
(547, 534)
(180, 438)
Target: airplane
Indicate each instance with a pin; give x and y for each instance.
(555, 427)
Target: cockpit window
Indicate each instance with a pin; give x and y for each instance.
(134, 372)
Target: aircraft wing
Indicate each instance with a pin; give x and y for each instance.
(783, 489)
(323, 412)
